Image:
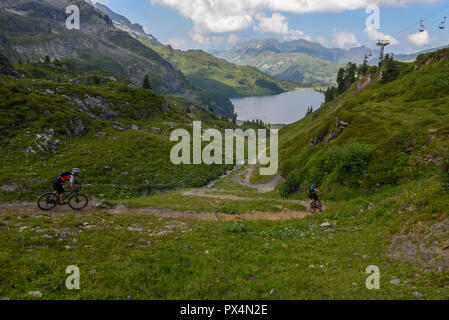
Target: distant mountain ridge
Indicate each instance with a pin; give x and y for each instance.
(313, 49)
(300, 60)
(205, 70)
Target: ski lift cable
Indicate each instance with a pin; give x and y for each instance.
(412, 27)
(434, 22)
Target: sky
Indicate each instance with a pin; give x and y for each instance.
(220, 24)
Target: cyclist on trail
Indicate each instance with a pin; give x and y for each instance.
(314, 193)
(68, 176)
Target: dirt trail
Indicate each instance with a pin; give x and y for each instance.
(210, 216)
(31, 208)
(261, 188)
(205, 193)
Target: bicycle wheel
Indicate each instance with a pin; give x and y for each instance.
(312, 207)
(78, 202)
(47, 201)
(320, 206)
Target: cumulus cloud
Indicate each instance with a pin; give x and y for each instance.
(224, 16)
(178, 43)
(419, 38)
(278, 24)
(343, 39)
(374, 34)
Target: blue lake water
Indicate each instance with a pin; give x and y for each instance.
(283, 108)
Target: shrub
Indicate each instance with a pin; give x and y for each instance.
(344, 164)
(355, 158)
(391, 70)
(237, 228)
(290, 186)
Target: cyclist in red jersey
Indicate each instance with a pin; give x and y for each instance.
(68, 176)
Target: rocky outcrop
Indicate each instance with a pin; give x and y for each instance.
(45, 142)
(425, 245)
(340, 126)
(326, 136)
(6, 68)
(365, 80)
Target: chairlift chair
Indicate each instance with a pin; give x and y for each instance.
(443, 24)
(421, 27)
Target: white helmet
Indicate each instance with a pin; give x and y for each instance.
(76, 170)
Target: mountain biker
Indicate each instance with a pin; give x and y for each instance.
(62, 178)
(314, 193)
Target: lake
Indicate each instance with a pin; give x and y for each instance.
(283, 108)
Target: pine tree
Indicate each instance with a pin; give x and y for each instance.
(341, 80)
(146, 83)
(363, 69)
(47, 59)
(390, 69)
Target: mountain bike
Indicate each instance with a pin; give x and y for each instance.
(314, 205)
(75, 199)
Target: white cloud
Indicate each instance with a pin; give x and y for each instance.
(206, 40)
(374, 34)
(419, 38)
(180, 44)
(343, 39)
(225, 16)
(278, 24)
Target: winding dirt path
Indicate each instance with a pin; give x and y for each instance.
(31, 208)
(261, 188)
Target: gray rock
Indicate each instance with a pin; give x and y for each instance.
(94, 271)
(396, 282)
(9, 187)
(99, 134)
(35, 294)
(417, 294)
(271, 292)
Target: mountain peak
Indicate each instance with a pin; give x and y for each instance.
(123, 23)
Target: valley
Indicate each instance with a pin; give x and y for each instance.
(378, 152)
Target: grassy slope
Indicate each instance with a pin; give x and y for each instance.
(119, 162)
(391, 156)
(143, 257)
(401, 126)
(140, 257)
(221, 77)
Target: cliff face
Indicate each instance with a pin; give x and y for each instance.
(35, 29)
(5, 67)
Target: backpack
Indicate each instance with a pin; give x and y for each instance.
(65, 173)
(312, 190)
